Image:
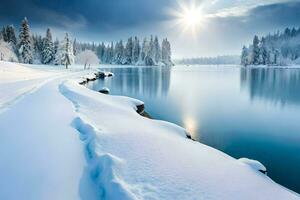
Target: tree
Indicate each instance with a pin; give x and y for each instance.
(10, 35)
(65, 54)
(244, 56)
(263, 52)
(100, 51)
(144, 50)
(255, 51)
(128, 51)
(87, 57)
(119, 53)
(25, 44)
(166, 52)
(75, 47)
(56, 47)
(48, 48)
(136, 50)
(157, 50)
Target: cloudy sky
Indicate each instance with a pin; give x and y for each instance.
(222, 26)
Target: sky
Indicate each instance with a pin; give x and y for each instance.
(222, 26)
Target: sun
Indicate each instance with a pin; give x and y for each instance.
(191, 17)
(188, 16)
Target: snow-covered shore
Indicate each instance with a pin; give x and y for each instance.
(123, 155)
(273, 66)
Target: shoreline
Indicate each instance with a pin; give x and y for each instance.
(139, 107)
(104, 140)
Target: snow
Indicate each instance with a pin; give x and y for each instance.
(17, 80)
(64, 141)
(256, 165)
(132, 157)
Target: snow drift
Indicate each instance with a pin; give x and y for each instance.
(132, 157)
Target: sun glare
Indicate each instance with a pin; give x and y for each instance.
(191, 17)
(188, 16)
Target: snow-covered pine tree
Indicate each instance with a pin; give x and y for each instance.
(56, 51)
(25, 43)
(255, 51)
(263, 52)
(111, 51)
(48, 48)
(166, 52)
(4, 34)
(244, 56)
(11, 36)
(36, 49)
(144, 50)
(65, 54)
(136, 50)
(100, 51)
(157, 50)
(119, 53)
(75, 47)
(149, 59)
(128, 52)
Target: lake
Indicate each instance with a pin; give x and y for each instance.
(253, 113)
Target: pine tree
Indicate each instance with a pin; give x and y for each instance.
(136, 50)
(48, 48)
(100, 51)
(255, 51)
(263, 52)
(4, 34)
(119, 53)
(244, 56)
(128, 52)
(56, 51)
(75, 47)
(11, 35)
(144, 50)
(157, 50)
(25, 44)
(166, 52)
(65, 54)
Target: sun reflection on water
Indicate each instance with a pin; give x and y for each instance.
(190, 124)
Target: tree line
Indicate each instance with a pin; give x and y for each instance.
(34, 48)
(281, 48)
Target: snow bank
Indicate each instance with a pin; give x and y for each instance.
(17, 80)
(132, 157)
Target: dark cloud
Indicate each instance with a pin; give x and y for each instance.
(94, 14)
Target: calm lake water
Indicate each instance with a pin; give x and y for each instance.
(253, 113)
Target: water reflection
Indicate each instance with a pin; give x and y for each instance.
(137, 81)
(274, 85)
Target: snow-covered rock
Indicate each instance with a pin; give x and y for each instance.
(104, 90)
(254, 164)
